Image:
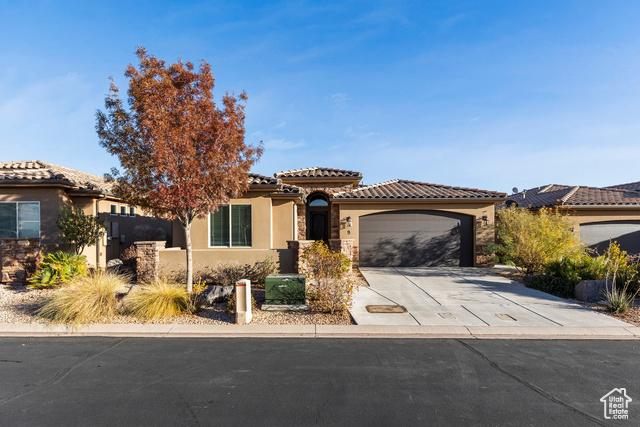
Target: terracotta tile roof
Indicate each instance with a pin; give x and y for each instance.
(257, 180)
(402, 189)
(564, 195)
(48, 173)
(318, 172)
(633, 186)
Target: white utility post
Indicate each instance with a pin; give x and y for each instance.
(243, 301)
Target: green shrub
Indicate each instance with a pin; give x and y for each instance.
(231, 303)
(531, 239)
(331, 289)
(552, 285)
(84, 299)
(159, 300)
(58, 267)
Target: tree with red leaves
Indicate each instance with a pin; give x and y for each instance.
(181, 155)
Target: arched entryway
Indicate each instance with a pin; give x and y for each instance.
(318, 217)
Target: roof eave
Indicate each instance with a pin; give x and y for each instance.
(421, 200)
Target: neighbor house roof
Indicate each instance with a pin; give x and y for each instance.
(39, 172)
(574, 196)
(318, 172)
(634, 186)
(412, 190)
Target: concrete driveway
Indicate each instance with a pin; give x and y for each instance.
(464, 297)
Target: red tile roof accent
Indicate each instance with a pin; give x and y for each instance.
(318, 172)
(403, 189)
(564, 195)
(256, 180)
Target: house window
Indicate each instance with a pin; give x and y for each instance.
(114, 209)
(132, 211)
(123, 211)
(20, 219)
(230, 226)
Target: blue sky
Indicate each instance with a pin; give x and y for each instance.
(484, 94)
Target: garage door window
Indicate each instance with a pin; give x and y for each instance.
(20, 219)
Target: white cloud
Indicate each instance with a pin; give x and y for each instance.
(282, 144)
(339, 98)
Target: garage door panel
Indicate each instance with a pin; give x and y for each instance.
(626, 233)
(415, 239)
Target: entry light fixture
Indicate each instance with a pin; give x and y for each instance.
(485, 219)
(349, 223)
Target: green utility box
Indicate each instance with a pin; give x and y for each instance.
(286, 289)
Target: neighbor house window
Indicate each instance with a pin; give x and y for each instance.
(132, 211)
(20, 219)
(123, 210)
(230, 226)
(114, 209)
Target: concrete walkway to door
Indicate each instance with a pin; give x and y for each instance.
(448, 296)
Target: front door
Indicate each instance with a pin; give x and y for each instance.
(318, 217)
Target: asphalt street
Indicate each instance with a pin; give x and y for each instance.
(299, 382)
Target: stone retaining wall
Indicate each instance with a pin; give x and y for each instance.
(20, 258)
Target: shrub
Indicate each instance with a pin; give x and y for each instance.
(159, 300)
(84, 299)
(58, 267)
(231, 303)
(260, 270)
(619, 300)
(331, 289)
(531, 239)
(552, 285)
(128, 256)
(78, 228)
(227, 273)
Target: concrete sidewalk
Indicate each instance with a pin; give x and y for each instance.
(320, 331)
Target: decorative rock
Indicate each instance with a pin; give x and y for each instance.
(215, 294)
(114, 266)
(591, 290)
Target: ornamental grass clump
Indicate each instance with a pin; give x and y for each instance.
(159, 300)
(85, 299)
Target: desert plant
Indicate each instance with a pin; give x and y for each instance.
(159, 300)
(227, 273)
(331, 289)
(528, 239)
(128, 256)
(260, 270)
(231, 303)
(78, 228)
(58, 267)
(84, 299)
(552, 285)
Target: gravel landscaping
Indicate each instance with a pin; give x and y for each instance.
(18, 305)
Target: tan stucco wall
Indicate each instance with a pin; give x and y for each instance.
(273, 223)
(484, 234)
(175, 259)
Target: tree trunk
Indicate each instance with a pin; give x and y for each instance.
(187, 233)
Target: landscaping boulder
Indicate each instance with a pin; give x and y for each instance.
(592, 290)
(114, 266)
(215, 294)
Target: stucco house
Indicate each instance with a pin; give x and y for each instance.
(31, 196)
(394, 223)
(598, 214)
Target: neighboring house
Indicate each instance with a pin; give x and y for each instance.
(395, 223)
(599, 214)
(33, 192)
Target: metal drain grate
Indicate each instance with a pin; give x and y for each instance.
(386, 309)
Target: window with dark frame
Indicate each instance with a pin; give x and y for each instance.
(230, 226)
(132, 211)
(123, 210)
(20, 220)
(114, 209)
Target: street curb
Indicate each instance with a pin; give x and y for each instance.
(317, 331)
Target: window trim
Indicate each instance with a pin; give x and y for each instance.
(18, 219)
(132, 209)
(230, 228)
(125, 210)
(111, 209)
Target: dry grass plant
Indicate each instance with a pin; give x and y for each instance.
(159, 300)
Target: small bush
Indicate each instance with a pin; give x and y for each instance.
(58, 267)
(231, 304)
(619, 300)
(84, 299)
(260, 270)
(159, 300)
(552, 285)
(128, 256)
(227, 273)
(331, 289)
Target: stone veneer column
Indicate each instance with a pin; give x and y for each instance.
(20, 259)
(298, 247)
(148, 260)
(344, 246)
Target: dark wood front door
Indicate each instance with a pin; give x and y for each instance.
(319, 225)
